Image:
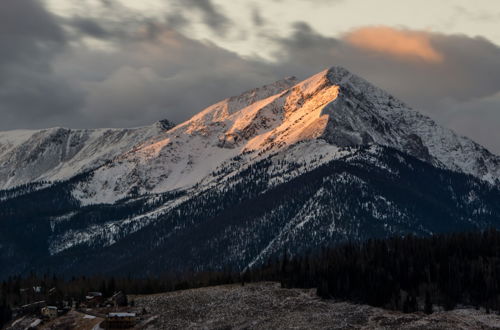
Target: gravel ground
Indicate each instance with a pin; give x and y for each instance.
(267, 306)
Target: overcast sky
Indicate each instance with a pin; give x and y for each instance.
(123, 63)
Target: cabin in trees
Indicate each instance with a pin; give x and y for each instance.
(94, 299)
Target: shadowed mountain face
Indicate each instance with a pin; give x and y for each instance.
(286, 166)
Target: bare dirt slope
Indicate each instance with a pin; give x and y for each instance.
(267, 306)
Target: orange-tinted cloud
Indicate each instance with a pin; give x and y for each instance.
(400, 43)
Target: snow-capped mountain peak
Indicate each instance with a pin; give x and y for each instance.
(333, 106)
(366, 114)
(291, 164)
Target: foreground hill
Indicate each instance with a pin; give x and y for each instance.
(267, 306)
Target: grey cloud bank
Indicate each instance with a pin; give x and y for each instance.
(30, 38)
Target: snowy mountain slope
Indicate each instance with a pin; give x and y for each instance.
(59, 153)
(370, 192)
(334, 105)
(367, 114)
(252, 215)
(282, 167)
(291, 164)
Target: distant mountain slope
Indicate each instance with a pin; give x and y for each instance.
(59, 153)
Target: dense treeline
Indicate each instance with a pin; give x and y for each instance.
(402, 273)
(406, 274)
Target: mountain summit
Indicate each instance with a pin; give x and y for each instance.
(333, 106)
(295, 164)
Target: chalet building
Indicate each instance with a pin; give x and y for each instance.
(92, 295)
(120, 321)
(94, 299)
(49, 312)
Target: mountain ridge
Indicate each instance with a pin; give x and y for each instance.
(293, 165)
(60, 153)
(334, 105)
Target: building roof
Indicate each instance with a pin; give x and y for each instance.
(121, 315)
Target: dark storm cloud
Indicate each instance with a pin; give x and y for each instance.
(146, 75)
(170, 76)
(212, 15)
(26, 31)
(176, 20)
(29, 90)
(478, 118)
(257, 18)
(108, 3)
(89, 27)
(305, 39)
(114, 22)
(120, 24)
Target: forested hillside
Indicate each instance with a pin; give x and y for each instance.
(401, 273)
